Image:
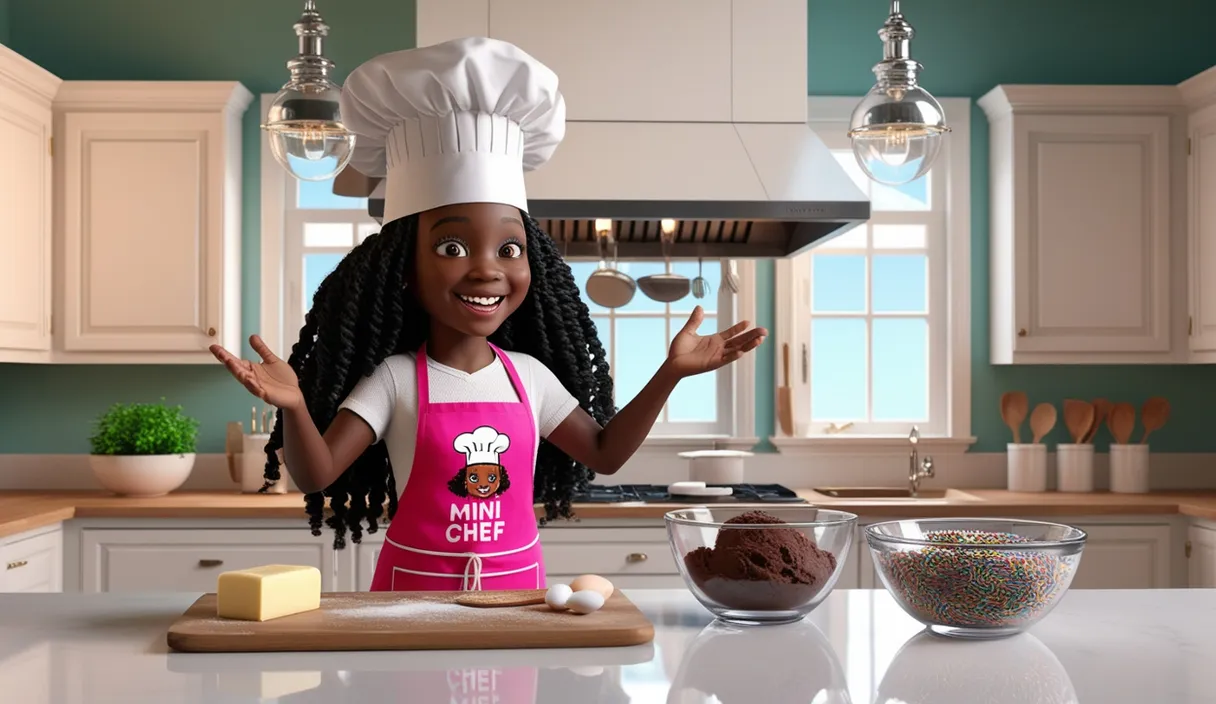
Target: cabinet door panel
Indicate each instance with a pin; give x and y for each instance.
(142, 225)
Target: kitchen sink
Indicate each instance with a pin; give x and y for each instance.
(893, 493)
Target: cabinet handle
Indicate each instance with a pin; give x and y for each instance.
(1021, 332)
(210, 563)
(15, 565)
(210, 332)
(1188, 548)
(636, 557)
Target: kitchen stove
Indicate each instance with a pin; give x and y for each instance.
(658, 494)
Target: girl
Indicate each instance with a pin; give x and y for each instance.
(448, 364)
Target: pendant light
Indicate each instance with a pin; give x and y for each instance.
(898, 128)
(304, 122)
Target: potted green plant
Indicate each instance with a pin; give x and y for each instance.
(143, 449)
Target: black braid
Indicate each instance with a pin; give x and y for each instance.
(362, 314)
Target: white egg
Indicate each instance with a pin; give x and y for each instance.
(585, 601)
(557, 596)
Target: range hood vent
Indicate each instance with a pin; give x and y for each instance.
(707, 127)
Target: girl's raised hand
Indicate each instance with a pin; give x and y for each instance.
(691, 353)
(273, 380)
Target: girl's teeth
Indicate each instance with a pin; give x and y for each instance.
(481, 301)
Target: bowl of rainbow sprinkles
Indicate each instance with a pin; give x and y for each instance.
(976, 577)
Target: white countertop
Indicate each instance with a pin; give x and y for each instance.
(1097, 647)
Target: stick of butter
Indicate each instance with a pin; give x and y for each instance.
(267, 592)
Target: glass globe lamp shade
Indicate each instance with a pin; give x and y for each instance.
(307, 137)
(897, 133)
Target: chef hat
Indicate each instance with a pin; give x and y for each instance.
(482, 446)
(456, 122)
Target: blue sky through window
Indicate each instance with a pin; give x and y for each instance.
(319, 195)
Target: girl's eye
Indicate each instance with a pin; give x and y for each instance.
(511, 250)
(451, 248)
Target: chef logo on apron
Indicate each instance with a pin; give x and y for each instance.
(483, 476)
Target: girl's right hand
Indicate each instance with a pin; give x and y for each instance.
(273, 381)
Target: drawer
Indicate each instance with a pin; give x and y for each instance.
(33, 564)
(610, 558)
(191, 560)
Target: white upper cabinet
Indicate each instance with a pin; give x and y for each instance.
(26, 92)
(639, 60)
(1199, 93)
(148, 224)
(1087, 258)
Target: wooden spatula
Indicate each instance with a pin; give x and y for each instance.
(785, 403)
(1121, 422)
(1078, 418)
(1042, 420)
(1014, 406)
(1153, 415)
(1101, 413)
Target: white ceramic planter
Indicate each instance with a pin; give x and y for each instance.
(141, 475)
(716, 466)
(1129, 469)
(1027, 467)
(1075, 468)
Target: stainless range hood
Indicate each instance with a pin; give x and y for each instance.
(727, 154)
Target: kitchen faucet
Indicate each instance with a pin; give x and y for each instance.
(917, 469)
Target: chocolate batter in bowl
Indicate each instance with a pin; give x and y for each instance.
(760, 566)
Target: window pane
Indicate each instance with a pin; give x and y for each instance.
(367, 229)
(641, 348)
(581, 271)
(853, 239)
(900, 283)
(900, 237)
(711, 271)
(901, 369)
(327, 234)
(641, 303)
(838, 283)
(838, 369)
(316, 268)
(909, 196)
(603, 329)
(695, 399)
(320, 194)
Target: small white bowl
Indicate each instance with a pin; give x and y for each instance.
(142, 476)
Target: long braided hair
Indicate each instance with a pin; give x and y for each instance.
(363, 313)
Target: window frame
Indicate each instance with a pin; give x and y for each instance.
(281, 254)
(949, 287)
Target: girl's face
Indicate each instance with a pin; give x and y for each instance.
(472, 267)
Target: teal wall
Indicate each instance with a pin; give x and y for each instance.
(966, 47)
(3, 21)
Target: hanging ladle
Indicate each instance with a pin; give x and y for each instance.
(667, 287)
(700, 285)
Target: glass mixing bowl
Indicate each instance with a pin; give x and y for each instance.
(752, 565)
(975, 577)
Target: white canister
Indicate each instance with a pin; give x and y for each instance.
(253, 466)
(1075, 467)
(1129, 469)
(1027, 467)
(716, 466)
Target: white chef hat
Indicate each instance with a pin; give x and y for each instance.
(482, 446)
(456, 122)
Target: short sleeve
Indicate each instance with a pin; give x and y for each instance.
(374, 398)
(555, 402)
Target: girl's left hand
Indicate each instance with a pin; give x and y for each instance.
(691, 353)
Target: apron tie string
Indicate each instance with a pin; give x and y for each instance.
(473, 564)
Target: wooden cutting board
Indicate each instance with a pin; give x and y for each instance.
(410, 621)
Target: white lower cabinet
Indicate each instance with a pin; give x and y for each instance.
(1201, 554)
(118, 560)
(32, 561)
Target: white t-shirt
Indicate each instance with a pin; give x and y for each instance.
(388, 399)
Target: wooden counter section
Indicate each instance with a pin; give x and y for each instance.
(23, 511)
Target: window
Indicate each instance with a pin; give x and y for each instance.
(637, 336)
(877, 319)
(306, 230)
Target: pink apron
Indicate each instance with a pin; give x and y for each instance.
(466, 519)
